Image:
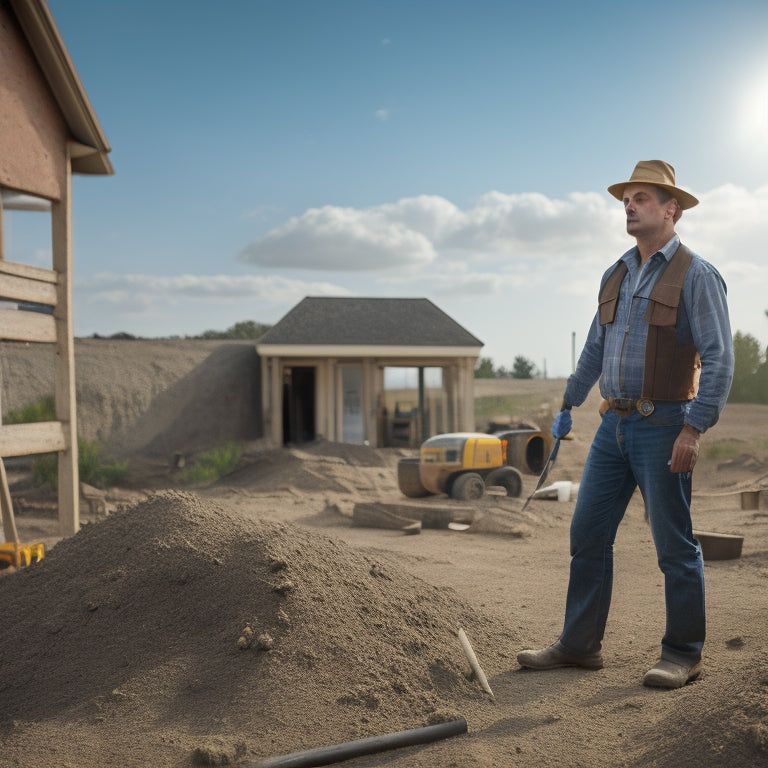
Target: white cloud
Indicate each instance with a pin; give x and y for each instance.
(140, 292)
(418, 230)
(341, 239)
(382, 115)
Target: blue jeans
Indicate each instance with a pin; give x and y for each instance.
(628, 452)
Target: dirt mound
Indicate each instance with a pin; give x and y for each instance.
(318, 467)
(153, 396)
(175, 619)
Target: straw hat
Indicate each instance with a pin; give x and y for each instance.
(658, 173)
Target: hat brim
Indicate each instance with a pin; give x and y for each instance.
(685, 199)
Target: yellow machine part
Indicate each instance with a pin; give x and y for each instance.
(443, 456)
(482, 453)
(20, 555)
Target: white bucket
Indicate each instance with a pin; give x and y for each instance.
(565, 489)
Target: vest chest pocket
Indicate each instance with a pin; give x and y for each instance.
(660, 312)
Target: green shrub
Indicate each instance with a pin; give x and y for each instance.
(88, 460)
(45, 470)
(42, 410)
(94, 469)
(91, 466)
(213, 464)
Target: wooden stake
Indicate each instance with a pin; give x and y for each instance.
(476, 668)
(9, 524)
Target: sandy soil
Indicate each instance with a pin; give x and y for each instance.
(253, 618)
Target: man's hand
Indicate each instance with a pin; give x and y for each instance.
(685, 451)
(561, 426)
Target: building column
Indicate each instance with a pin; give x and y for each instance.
(276, 405)
(331, 397)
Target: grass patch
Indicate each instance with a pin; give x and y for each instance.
(213, 464)
(489, 407)
(92, 467)
(724, 450)
(42, 410)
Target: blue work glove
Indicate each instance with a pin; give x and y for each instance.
(561, 426)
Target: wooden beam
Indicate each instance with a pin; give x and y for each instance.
(27, 270)
(27, 439)
(64, 365)
(24, 289)
(17, 325)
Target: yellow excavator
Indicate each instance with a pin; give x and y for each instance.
(463, 464)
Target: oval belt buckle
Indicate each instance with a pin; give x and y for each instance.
(645, 406)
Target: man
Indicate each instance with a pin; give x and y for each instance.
(661, 347)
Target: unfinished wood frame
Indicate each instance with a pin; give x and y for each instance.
(49, 287)
(48, 132)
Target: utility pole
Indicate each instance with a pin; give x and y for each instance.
(573, 351)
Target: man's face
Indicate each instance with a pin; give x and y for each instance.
(645, 214)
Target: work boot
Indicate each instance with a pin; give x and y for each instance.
(669, 674)
(554, 656)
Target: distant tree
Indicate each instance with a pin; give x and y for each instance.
(523, 368)
(484, 368)
(246, 329)
(750, 371)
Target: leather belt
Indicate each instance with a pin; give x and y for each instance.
(626, 405)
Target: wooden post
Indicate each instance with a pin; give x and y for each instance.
(64, 364)
(277, 401)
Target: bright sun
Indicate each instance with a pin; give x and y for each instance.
(753, 117)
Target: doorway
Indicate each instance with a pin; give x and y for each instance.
(298, 405)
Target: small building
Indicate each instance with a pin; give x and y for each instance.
(48, 131)
(381, 372)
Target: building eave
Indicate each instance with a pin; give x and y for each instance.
(364, 350)
(90, 146)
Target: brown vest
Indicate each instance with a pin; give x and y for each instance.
(672, 370)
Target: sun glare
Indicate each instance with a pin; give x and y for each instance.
(753, 118)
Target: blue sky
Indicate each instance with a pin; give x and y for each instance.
(266, 150)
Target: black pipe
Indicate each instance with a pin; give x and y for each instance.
(350, 749)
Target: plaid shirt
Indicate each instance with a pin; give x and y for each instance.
(615, 353)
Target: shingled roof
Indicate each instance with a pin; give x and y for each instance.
(368, 322)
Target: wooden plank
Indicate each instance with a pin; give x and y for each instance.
(29, 439)
(28, 271)
(27, 326)
(26, 289)
(64, 367)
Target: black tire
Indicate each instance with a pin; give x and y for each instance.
(408, 479)
(467, 487)
(508, 478)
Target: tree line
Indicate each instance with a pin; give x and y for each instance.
(750, 371)
(522, 368)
